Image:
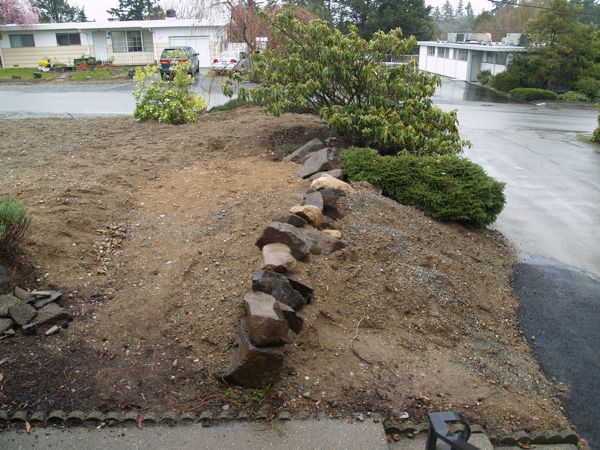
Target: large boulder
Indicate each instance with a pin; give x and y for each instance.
(283, 233)
(254, 366)
(325, 159)
(311, 213)
(278, 258)
(265, 324)
(313, 198)
(330, 202)
(285, 290)
(301, 153)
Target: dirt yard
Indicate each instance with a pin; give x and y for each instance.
(149, 230)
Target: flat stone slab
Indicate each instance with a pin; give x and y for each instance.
(6, 301)
(314, 198)
(22, 313)
(49, 313)
(311, 146)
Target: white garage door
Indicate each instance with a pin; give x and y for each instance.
(198, 43)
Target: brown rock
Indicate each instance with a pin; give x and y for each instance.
(330, 202)
(252, 366)
(265, 324)
(308, 148)
(294, 320)
(336, 173)
(327, 181)
(311, 213)
(329, 223)
(292, 219)
(320, 161)
(335, 233)
(22, 313)
(284, 233)
(278, 258)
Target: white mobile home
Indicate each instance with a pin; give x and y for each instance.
(465, 60)
(122, 43)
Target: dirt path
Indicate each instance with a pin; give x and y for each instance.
(150, 231)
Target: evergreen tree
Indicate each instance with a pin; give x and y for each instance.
(447, 11)
(59, 11)
(460, 10)
(136, 10)
(469, 11)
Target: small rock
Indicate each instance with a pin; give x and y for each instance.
(320, 161)
(265, 324)
(53, 329)
(327, 181)
(335, 233)
(278, 258)
(284, 233)
(6, 301)
(49, 313)
(225, 407)
(311, 213)
(360, 417)
(329, 223)
(286, 290)
(396, 437)
(252, 366)
(22, 313)
(403, 416)
(292, 219)
(294, 320)
(330, 202)
(301, 153)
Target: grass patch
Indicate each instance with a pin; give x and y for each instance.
(447, 188)
(14, 222)
(25, 73)
(98, 74)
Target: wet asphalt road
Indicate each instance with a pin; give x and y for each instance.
(552, 212)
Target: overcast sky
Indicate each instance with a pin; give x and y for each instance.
(96, 9)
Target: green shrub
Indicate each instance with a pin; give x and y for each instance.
(596, 135)
(166, 101)
(484, 76)
(448, 188)
(234, 103)
(573, 96)
(505, 81)
(528, 94)
(343, 78)
(589, 86)
(14, 221)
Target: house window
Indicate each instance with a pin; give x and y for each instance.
(68, 39)
(21, 40)
(501, 58)
(489, 58)
(430, 51)
(440, 52)
(131, 41)
(447, 54)
(460, 54)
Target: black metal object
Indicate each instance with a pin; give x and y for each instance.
(439, 429)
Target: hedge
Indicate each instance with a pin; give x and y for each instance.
(528, 94)
(447, 188)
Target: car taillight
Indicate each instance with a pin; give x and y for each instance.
(183, 60)
(233, 61)
(215, 61)
(164, 61)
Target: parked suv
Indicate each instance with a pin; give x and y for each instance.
(173, 55)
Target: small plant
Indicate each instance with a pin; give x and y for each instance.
(14, 222)
(45, 63)
(529, 94)
(573, 96)
(166, 101)
(447, 188)
(484, 77)
(260, 394)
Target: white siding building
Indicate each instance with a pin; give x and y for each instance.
(123, 43)
(465, 60)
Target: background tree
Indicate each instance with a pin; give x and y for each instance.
(18, 11)
(136, 10)
(507, 18)
(59, 11)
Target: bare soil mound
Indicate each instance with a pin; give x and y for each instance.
(150, 229)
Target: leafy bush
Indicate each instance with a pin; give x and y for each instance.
(448, 188)
(528, 94)
(14, 221)
(234, 103)
(166, 101)
(573, 96)
(589, 86)
(343, 78)
(596, 135)
(484, 76)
